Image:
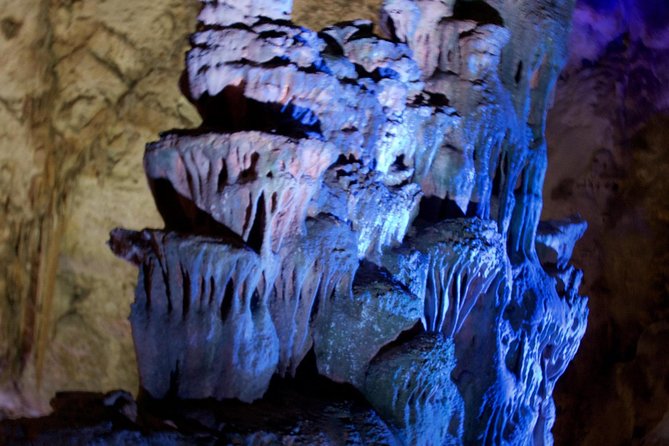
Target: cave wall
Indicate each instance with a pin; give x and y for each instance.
(84, 84)
(89, 81)
(608, 160)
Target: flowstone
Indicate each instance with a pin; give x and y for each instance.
(373, 201)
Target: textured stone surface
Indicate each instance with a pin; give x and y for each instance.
(318, 16)
(227, 13)
(208, 298)
(280, 104)
(354, 192)
(449, 265)
(84, 85)
(244, 181)
(411, 386)
(379, 310)
(450, 53)
(308, 283)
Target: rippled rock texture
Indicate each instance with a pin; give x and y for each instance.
(374, 200)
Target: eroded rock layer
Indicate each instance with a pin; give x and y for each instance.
(372, 200)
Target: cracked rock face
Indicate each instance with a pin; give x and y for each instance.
(374, 201)
(84, 85)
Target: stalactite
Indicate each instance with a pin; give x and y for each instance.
(297, 220)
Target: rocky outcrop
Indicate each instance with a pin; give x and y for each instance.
(270, 179)
(356, 196)
(85, 83)
(307, 283)
(209, 297)
(449, 265)
(378, 312)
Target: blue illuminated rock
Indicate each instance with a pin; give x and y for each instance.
(223, 12)
(410, 386)
(201, 322)
(450, 265)
(378, 311)
(459, 60)
(353, 193)
(538, 334)
(556, 240)
(308, 285)
(374, 201)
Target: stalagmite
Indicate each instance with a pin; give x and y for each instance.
(374, 201)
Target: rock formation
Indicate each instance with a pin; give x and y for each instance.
(372, 200)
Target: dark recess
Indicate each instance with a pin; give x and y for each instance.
(257, 233)
(182, 215)
(478, 11)
(231, 111)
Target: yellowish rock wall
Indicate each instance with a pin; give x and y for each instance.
(84, 84)
(319, 14)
